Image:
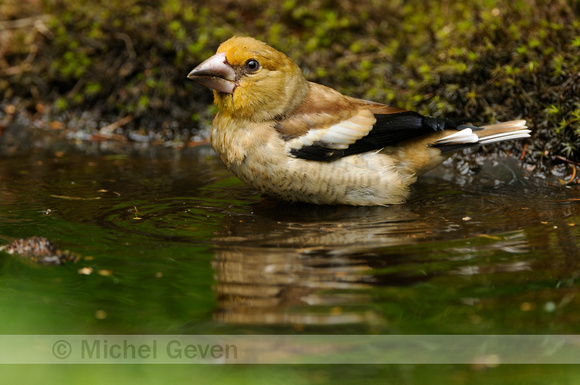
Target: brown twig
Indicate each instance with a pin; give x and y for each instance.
(107, 131)
(573, 175)
(128, 44)
(24, 22)
(567, 160)
(571, 163)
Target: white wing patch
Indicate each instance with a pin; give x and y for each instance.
(338, 136)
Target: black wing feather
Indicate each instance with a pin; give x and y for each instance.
(389, 130)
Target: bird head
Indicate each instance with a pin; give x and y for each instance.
(252, 80)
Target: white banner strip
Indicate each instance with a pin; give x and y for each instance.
(488, 350)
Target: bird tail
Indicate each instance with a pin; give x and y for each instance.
(468, 135)
(514, 129)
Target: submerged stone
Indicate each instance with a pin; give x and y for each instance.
(39, 250)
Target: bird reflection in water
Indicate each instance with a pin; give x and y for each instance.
(314, 267)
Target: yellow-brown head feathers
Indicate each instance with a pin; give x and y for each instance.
(268, 84)
(241, 49)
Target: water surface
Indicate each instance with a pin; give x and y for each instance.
(171, 243)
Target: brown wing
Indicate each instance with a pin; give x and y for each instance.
(329, 125)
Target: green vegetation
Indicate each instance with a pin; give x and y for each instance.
(484, 60)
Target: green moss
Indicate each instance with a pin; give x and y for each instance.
(483, 60)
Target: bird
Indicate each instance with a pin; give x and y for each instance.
(300, 141)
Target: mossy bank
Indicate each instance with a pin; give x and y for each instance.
(86, 64)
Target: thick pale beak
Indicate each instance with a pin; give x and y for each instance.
(215, 73)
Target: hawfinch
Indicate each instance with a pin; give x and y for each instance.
(300, 141)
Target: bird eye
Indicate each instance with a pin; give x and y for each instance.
(252, 65)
